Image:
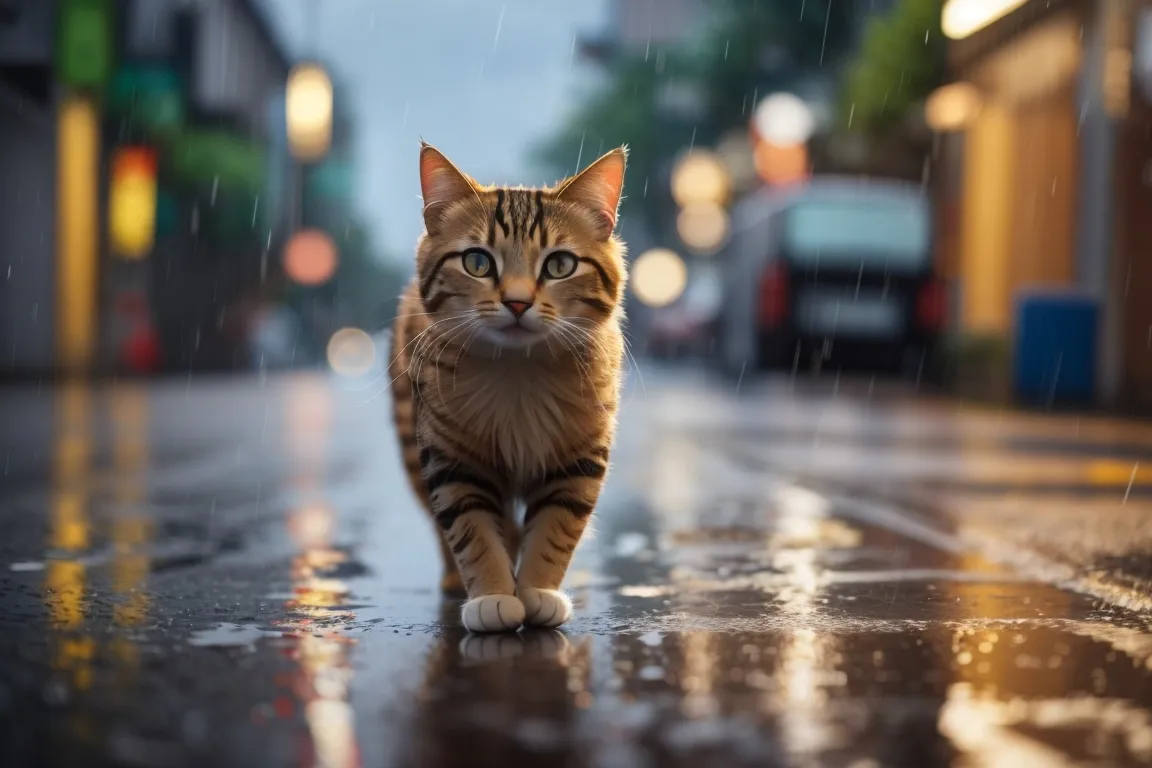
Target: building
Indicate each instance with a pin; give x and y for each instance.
(231, 190)
(189, 81)
(27, 186)
(1052, 173)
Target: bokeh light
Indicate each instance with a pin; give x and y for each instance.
(952, 107)
(703, 227)
(310, 257)
(700, 177)
(132, 202)
(960, 18)
(659, 277)
(351, 352)
(308, 104)
(780, 166)
(784, 119)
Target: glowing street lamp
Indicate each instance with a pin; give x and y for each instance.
(310, 258)
(952, 107)
(962, 18)
(700, 177)
(351, 352)
(781, 166)
(703, 227)
(659, 277)
(308, 111)
(784, 119)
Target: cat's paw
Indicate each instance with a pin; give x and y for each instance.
(545, 607)
(493, 613)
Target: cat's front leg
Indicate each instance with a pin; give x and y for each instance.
(559, 506)
(468, 506)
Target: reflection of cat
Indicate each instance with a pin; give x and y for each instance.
(474, 709)
(506, 363)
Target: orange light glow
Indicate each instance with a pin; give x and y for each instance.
(132, 201)
(780, 166)
(310, 257)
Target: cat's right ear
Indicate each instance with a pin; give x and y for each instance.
(442, 184)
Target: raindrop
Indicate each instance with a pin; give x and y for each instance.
(580, 152)
(824, 41)
(1131, 480)
(499, 26)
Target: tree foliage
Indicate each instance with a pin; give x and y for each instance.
(899, 63)
(748, 49)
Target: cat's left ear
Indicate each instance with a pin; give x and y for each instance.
(442, 185)
(598, 188)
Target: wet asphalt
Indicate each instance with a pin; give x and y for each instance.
(232, 572)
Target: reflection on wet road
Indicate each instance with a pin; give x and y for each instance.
(234, 573)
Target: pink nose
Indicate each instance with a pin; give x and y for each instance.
(518, 307)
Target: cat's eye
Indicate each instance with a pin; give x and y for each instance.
(559, 265)
(478, 263)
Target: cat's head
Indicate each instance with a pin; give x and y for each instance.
(517, 265)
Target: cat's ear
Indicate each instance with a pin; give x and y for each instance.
(598, 188)
(442, 184)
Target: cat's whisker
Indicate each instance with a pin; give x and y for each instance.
(407, 369)
(392, 356)
(467, 326)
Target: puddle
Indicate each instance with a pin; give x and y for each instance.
(228, 635)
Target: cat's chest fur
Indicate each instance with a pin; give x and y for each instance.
(525, 416)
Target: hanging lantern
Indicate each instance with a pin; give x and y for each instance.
(132, 202)
(308, 112)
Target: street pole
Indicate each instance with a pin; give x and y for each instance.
(78, 173)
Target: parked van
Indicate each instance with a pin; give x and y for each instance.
(836, 268)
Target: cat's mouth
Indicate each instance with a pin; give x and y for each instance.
(516, 335)
(518, 332)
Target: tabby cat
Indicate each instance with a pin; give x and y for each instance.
(505, 377)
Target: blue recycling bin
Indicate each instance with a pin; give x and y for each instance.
(1056, 343)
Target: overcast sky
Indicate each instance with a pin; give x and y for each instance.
(481, 79)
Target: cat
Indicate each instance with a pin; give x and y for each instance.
(506, 364)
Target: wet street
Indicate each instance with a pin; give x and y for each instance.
(233, 572)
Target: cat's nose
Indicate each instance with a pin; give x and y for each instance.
(518, 307)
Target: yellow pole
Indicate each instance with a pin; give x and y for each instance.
(78, 174)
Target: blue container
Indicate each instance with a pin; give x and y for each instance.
(1055, 356)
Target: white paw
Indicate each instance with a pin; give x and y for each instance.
(545, 607)
(493, 613)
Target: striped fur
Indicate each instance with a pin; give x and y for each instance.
(497, 411)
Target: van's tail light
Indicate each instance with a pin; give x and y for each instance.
(931, 306)
(774, 295)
